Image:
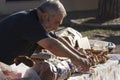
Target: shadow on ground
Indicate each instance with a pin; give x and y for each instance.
(114, 39)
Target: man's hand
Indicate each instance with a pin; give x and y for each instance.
(82, 65)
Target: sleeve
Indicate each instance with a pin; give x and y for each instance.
(52, 34)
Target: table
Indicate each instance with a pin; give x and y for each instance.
(110, 70)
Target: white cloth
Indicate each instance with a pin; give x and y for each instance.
(32, 74)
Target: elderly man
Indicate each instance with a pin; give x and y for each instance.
(21, 32)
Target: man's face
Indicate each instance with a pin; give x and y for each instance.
(52, 22)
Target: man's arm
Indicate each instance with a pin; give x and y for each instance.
(59, 49)
(66, 43)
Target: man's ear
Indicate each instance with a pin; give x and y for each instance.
(44, 16)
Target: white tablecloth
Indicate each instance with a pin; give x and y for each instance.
(110, 70)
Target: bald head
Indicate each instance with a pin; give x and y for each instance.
(52, 6)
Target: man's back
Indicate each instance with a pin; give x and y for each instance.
(17, 33)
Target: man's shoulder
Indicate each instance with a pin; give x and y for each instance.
(24, 13)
